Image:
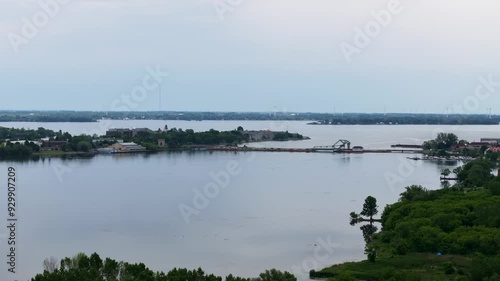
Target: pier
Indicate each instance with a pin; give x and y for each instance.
(341, 146)
(310, 150)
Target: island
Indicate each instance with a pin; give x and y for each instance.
(22, 143)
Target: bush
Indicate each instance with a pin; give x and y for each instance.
(344, 276)
(371, 253)
(402, 247)
(448, 268)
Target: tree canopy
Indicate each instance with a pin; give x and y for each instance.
(92, 268)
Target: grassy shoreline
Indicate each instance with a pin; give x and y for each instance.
(447, 234)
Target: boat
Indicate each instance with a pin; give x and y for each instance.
(106, 150)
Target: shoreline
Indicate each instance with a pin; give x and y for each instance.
(73, 154)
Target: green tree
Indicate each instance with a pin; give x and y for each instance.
(84, 146)
(446, 140)
(370, 209)
(110, 270)
(445, 172)
(276, 275)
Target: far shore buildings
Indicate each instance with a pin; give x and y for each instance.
(127, 132)
(127, 147)
(491, 141)
(124, 132)
(491, 144)
(53, 145)
(259, 135)
(23, 142)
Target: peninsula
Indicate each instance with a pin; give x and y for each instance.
(22, 143)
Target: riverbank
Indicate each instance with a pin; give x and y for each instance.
(414, 266)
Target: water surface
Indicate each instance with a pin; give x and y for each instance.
(270, 215)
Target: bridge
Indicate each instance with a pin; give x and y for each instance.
(339, 146)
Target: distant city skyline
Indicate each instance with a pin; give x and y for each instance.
(258, 56)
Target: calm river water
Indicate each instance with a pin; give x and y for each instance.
(262, 210)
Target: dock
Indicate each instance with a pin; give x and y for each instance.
(311, 150)
(341, 146)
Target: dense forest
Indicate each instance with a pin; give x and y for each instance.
(447, 234)
(92, 268)
(318, 118)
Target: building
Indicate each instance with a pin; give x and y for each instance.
(120, 132)
(53, 145)
(492, 141)
(478, 145)
(494, 149)
(259, 135)
(127, 147)
(161, 143)
(23, 142)
(458, 147)
(358, 149)
(136, 131)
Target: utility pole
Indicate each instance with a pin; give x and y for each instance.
(159, 103)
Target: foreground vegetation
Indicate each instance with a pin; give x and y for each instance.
(92, 268)
(447, 234)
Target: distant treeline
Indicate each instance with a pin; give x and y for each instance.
(15, 151)
(92, 268)
(319, 118)
(26, 134)
(401, 119)
(46, 117)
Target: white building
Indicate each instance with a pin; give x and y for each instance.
(127, 147)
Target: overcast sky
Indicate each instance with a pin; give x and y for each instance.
(256, 56)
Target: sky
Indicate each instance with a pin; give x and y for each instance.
(416, 56)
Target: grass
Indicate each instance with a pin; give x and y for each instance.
(49, 153)
(414, 266)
